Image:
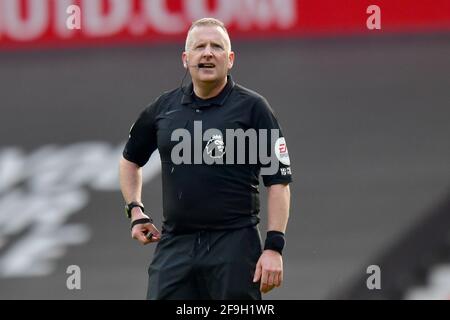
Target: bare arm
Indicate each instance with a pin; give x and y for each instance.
(278, 199)
(130, 176)
(269, 268)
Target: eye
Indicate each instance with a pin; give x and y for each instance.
(217, 46)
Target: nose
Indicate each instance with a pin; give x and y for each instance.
(207, 52)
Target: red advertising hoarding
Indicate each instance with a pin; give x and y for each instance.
(45, 23)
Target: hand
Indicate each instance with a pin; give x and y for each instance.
(140, 231)
(270, 270)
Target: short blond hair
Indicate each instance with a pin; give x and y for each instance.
(207, 22)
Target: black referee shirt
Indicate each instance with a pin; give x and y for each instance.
(203, 186)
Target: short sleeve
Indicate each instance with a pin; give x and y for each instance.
(274, 161)
(142, 138)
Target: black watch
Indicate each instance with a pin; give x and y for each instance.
(130, 206)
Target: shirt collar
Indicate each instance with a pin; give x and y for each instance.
(220, 99)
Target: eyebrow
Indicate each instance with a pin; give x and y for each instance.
(212, 43)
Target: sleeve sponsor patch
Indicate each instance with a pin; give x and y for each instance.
(281, 151)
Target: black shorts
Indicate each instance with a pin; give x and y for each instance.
(216, 265)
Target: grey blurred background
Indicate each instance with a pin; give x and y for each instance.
(366, 121)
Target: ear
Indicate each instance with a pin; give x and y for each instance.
(184, 59)
(230, 60)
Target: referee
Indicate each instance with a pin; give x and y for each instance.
(210, 246)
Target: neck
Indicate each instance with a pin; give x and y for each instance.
(206, 90)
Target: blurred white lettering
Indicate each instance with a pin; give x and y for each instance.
(60, 26)
(163, 20)
(96, 23)
(105, 18)
(30, 27)
(41, 191)
(264, 13)
(223, 10)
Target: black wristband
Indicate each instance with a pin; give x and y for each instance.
(140, 221)
(130, 206)
(274, 241)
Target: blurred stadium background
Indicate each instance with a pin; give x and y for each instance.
(366, 114)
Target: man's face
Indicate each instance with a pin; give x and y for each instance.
(208, 45)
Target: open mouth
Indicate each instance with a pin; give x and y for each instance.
(206, 65)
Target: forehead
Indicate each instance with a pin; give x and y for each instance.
(208, 33)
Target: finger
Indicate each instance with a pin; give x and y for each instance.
(156, 235)
(270, 278)
(152, 237)
(280, 278)
(149, 235)
(139, 228)
(257, 272)
(139, 232)
(276, 279)
(134, 234)
(269, 288)
(141, 236)
(270, 281)
(263, 286)
(154, 230)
